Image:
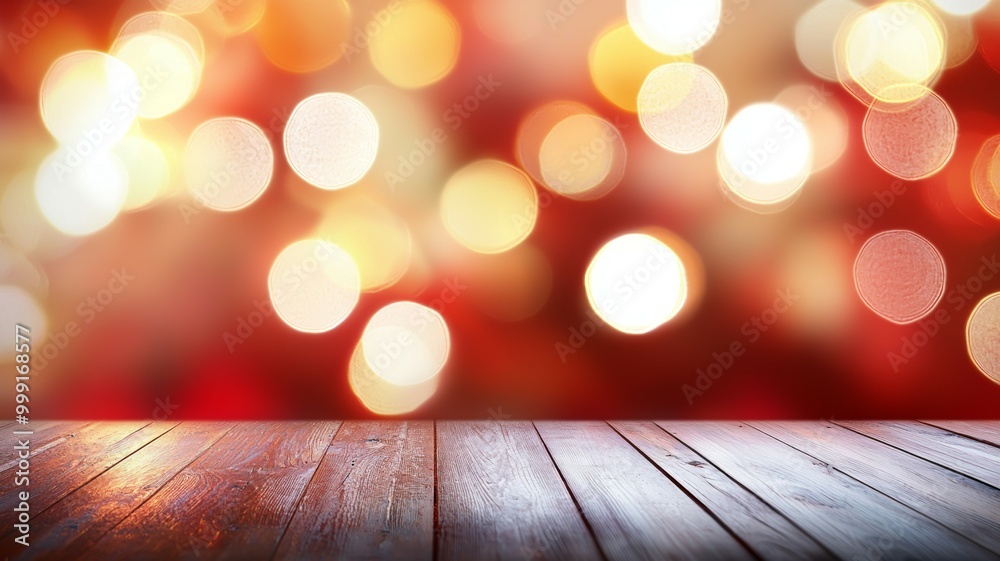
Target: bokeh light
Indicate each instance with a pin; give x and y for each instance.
(18, 307)
(147, 168)
(619, 63)
(80, 196)
(824, 118)
(489, 206)
(89, 101)
(911, 140)
(535, 128)
(418, 44)
(636, 283)
(682, 107)
(816, 35)
(381, 396)
(406, 343)
(331, 140)
(986, 176)
(304, 35)
(982, 333)
(162, 24)
(377, 239)
(764, 155)
(582, 157)
(166, 68)
(893, 50)
(674, 26)
(899, 275)
(313, 285)
(961, 7)
(228, 163)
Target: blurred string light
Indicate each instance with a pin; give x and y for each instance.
(816, 32)
(166, 25)
(674, 27)
(489, 206)
(406, 343)
(183, 6)
(147, 169)
(961, 7)
(314, 285)
(582, 157)
(418, 44)
(81, 196)
(911, 140)
(981, 335)
(635, 283)
(899, 275)
(331, 140)
(304, 35)
(891, 52)
(379, 395)
(619, 63)
(166, 68)
(824, 118)
(228, 163)
(89, 101)
(764, 157)
(986, 176)
(536, 126)
(376, 238)
(18, 307)
(682, 107)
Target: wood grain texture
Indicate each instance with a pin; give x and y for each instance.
(846, 516)
(79, 520)
(970, 457)
(500, 496)
(965, 505)
(986, 431)
(765, 531)
(372, 496)
(64, 468)
(46, 435)
(233, 502)
(623, 495)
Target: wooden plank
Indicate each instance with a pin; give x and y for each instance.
(769, 534)
(79, 520)
(986, 431)
(233, 502)
(372, 496)
(64, 468)
(635, 511)
(45, 435)
(846, 516)
(500, 496)
(962, 504)
(953, 451)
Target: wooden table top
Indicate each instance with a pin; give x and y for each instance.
(506, 490)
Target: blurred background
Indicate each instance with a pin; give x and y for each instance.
(166, 310)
